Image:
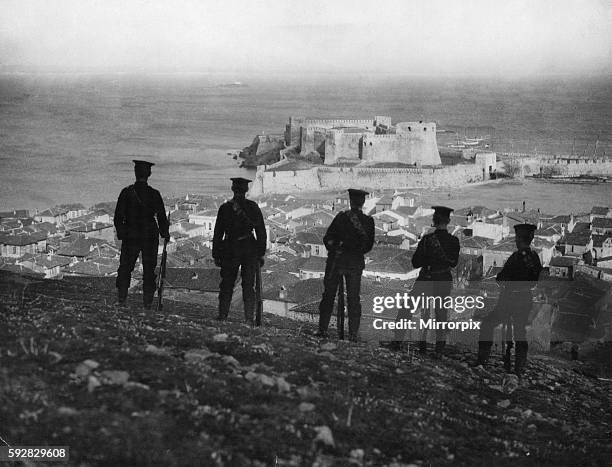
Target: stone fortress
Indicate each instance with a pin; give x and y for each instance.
(365, 141)
(364, 153)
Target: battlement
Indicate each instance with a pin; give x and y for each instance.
(338, 122)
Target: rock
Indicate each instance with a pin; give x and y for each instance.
(55, 357)
(82, 370)
(157, 351)
(260, 378)
(135, 384)
(324, 435)
(357, 454)
(220, 337)
(306, 407)
(308, 392)
(329, 346)
(67, 411)
(527, 413)
(93, 383)
(510, 384)
(264, 348)
(116, 377)
(504, 404)
(91, 364)
(329, 355)
(229, 360)
(198, 355)
(282, 384)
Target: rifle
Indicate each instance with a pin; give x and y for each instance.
(259, 299)
(161, 277)
(341, 308)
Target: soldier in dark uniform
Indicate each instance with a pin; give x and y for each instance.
(519, 275)
(140, 218)
(348, 238)
(234, 246)
(436, 254)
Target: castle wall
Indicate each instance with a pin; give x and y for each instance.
(410, 145)
(565, 166)
(266, 143)
(340, 145)
(341, 178)
(312, 139)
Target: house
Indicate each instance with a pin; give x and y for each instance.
(92, 230)
(385, 222)
(206, 218)
(389, 263)
(602, 225)
(320, 218)
(313, 268)
(577, 243)
(55, 215)
(81, 248)
(384, 204)
(74, 210)
(49, 265)
(393, 241)
(97, 267)
(475, 245)
(15, 214)
(495, 256)
(15, 246)
(563, 266)
(189, 229)
(313, 239)
(601, 246)
(494, 229)
(600, 211)
(566, 222)
(552, 233)
(202, 284)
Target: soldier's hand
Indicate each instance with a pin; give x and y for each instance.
(261, 261)
(218, 262)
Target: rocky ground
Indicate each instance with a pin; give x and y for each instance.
(123, 388)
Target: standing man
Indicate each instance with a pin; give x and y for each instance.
(140, 218)
(519, 275)
(348, 238)
(234, 246)
(436, 254)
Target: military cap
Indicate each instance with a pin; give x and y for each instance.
(354, 193)
(442, 211)
(142, 164)
(241, 183)
(524, 230)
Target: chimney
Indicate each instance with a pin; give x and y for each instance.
(523, 206)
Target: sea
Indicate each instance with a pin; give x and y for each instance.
(71, 137)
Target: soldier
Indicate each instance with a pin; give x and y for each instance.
(348, 238)
(138, 207)
(519, 275)
(436, 254)
(234, 246)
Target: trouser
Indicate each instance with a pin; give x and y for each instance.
(130, 250)
(513, 308)
(229, 273)
(331, 283)
(436, 292)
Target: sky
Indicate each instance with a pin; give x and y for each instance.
(424, 37)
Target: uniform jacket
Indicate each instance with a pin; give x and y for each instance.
(346, 243)
(435, 260)
(234, 230)
(523, 268)
(138, 207)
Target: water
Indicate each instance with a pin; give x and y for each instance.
(66, 138)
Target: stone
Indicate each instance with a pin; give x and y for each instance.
(504, 404)
(329, 346)
(114, 377)
(93, 383)
(306, 407)
(324, 435)
(220, 337)
(198, 355)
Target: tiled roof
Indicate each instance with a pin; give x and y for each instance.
(600, 210)
(389, 260)
(314, 263)
(602, 222)
(203, 279)
(598, 240)
(22, 239)
(563, 261)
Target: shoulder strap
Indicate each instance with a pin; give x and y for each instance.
(354, 218)
(239, 211)
(438, 247)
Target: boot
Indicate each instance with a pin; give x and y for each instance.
(484, 350)
(121, 296)
(520, 357)
(322, 333)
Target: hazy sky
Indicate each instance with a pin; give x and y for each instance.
(402, 36)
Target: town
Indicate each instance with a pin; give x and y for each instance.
(574, 248)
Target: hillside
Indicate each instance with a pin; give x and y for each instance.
(122, 388)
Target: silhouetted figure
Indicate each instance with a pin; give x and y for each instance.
(348, 238)
(235, 247)
(140, 218)
(518, 276)
(436, 254)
